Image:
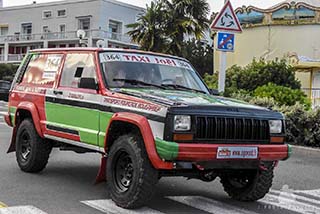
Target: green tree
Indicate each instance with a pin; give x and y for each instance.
(185, 17)
(200, 55)
(256, 74)
(149, 30)
(7, 71)
(165, 24)
(282, 95)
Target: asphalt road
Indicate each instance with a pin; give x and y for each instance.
(67, 186)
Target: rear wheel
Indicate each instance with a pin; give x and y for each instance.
(130, 176)
(32, 152)
(248, 185)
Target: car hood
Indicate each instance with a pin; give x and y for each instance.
(186, 98)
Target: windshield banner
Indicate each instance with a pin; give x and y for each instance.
(142, 58)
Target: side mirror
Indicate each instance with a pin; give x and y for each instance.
(88, 83)
(214, 92)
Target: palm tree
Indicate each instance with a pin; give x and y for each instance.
(186, 17)
(148, 31)
(165, 24)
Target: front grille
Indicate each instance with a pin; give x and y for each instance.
(235, 129)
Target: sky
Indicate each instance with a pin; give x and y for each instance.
(216, 5)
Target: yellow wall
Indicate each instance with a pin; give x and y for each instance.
(273, 42)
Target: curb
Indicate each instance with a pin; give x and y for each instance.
(305, 150)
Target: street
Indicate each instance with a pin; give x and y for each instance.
(67, 186)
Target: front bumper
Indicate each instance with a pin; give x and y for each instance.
(172, 151)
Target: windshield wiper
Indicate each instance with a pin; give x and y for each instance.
(175, 86)
(138, 82)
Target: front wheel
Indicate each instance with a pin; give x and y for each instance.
(32, 152)
(130, 176)
(248, 185)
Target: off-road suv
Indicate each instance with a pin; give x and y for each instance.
(149, 115)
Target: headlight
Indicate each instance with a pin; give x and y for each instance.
(275, 126)
(182, 123)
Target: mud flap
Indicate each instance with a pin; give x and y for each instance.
(101, 176)
(12, 147)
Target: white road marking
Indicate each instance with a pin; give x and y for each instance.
(295, 196)
(289, 203)
(209, 205)
(21, 210)
(108, 206)
(314, 193)
(3, 113)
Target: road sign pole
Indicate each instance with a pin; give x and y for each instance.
(222, 71)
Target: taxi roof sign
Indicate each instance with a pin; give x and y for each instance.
(226, 20)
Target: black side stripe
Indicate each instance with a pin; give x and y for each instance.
(60, 129)
(84, 104)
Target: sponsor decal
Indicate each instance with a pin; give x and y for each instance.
(75, 96)
(52, 66)
(143, 58)
(31, 89)
(237, 153)
(131, 104)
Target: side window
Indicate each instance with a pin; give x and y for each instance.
(42, 69)
(77, 66)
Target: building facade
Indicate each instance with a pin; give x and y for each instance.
(290, 30)
(55, 24)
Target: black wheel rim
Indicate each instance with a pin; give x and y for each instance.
(123, 171)
(25, 146)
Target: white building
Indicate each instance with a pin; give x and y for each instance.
(55, 24)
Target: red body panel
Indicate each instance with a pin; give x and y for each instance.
(208, 152)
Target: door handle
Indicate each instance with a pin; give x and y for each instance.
(58, 92)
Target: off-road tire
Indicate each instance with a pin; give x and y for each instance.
(39, 150)
(258, 185)
(144, 176)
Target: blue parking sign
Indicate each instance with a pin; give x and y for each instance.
(225, 41)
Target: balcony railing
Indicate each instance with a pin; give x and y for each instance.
(70, 35)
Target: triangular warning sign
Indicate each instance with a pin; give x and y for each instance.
(226, 20)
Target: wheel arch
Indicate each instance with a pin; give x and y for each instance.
(139, 124)
(25, 110)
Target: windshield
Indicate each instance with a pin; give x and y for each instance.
(131, 70)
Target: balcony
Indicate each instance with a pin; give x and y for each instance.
(64, 36)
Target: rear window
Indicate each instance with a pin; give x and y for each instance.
(42, 69)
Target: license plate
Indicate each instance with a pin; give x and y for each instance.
(237, 152)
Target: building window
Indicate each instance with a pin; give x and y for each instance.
(47, 14)
(45, 29)
(62, 13)
(84, 23)
(4, 31)
(115, 29)
(62, 30)
(26, 28)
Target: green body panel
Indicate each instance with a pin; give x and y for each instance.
(289, 151)
(12, 111)
(167, 150)
(105, 118)
(85, 121)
